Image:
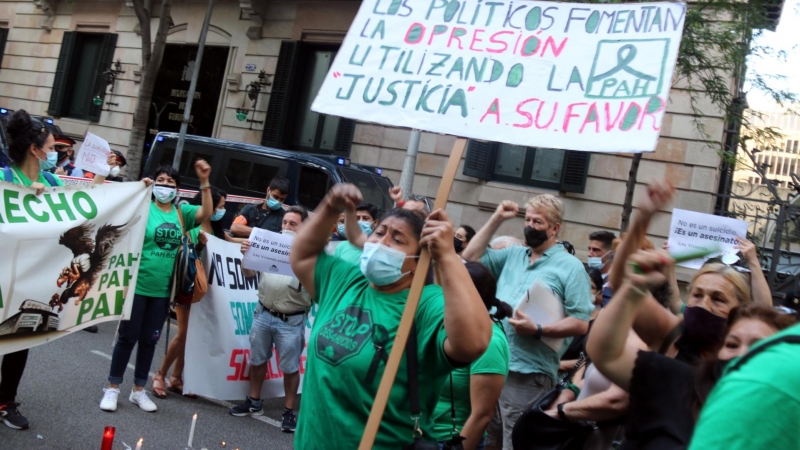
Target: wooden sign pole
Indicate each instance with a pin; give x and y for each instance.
(399, 346)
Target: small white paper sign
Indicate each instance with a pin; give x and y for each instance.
(693, 231)
(93, 155)
(269, 252)
(543, 307)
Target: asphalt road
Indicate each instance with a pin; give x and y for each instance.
(61, 391)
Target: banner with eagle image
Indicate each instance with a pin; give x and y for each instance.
(70, 258)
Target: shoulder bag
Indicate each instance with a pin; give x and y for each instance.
(189, 283)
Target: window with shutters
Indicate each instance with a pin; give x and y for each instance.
(560, 170)
(79, 75)
(290, 122)
(3, 39)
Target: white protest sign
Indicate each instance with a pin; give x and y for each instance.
(70, 259)
(693, 231)
(218, 339)
(575, 76)
(269, 252)
(93, 155)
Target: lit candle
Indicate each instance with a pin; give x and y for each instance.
(139, 444)
(191, 430)
(108, 438)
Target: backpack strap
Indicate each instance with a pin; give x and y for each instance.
(50, 178)
(8, 175)
(789, 339)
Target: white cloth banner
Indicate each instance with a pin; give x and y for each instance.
(269, 252)
(693, 231)
(218, 340)
(574, 76)
(70, 258)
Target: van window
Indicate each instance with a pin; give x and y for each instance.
(312, 186)
(373, 188)
(191, 153)
(243, 172)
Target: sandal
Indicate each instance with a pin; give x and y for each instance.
(176, 386)
(158, 385)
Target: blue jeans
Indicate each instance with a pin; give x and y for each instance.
(144, 327)
(288, 338)
(481, 445)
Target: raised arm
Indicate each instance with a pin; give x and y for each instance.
(759, 286)
(607, 344)
(203, 170)
(480, 242)
(351, 228)
(112, 161)
(468, 326)
(312, 237)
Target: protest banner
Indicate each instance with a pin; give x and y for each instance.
(93, 155)
(574, 76)
(691, 231)
(269, 252)
(218, 339)
(70, 259)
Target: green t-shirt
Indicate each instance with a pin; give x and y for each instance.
(764, 393)
(348, 252)
(566, 277)
(351, 322)
(25, 181)
(161, 241)
(494, 361)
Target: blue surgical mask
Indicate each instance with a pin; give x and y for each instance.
(50, 162)
(219, 214)
(596, 261)
(366, 227)
(382, 265)
(273, 204)
(340, 230)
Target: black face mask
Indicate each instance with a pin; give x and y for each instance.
(719, 367)
(534, 237)
(62, 155)
(458, 244)
(704, 329)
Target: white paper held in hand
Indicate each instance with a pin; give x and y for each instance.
(543, 307)
(93, 155)
(269, 252)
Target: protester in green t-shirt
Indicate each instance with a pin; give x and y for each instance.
(756, 404)
(359, 311)
(213, 226)
(32, 152)
(472, 392)
(162, 238)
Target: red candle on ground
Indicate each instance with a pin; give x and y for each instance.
(108, 438)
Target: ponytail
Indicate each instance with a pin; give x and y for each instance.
(502, 310)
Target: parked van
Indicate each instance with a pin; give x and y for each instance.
(244, 171)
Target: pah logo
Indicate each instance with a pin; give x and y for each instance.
(624, 69)
(344, 335)
(90, 258)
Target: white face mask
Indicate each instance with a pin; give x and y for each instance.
(164, 194)
(288, 233)
(114, 171)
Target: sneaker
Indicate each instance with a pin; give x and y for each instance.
(289, 422)
(141, 399)
(109, 401)
(249, 407)
(11, 416)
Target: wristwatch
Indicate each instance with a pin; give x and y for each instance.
(538, 331)
(560, 409)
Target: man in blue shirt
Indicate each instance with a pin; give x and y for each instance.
(533, 365)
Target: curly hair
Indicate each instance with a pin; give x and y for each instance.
(24, 131)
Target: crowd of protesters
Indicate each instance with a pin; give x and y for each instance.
(630, 362)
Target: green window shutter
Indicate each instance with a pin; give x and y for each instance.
(574, 172)
(3, 39)
(57, 95)
(99, 88)
(480, 159)
(276, 127)
(344, 136)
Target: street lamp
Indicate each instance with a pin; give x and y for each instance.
(109, 78)
(251, 92)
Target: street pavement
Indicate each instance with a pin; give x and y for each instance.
(61, 391)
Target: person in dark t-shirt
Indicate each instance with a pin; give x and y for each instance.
(267, 215)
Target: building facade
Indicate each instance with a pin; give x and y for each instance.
(782, 156)
(56, 52)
